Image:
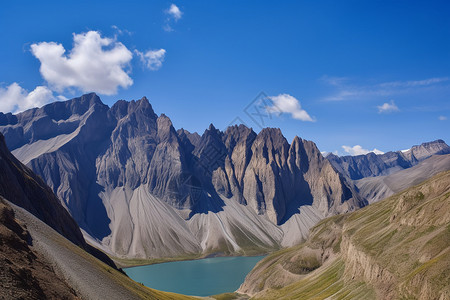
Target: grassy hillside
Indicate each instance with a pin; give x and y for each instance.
(398, 248)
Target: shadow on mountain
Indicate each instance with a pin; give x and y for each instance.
(96, 216)
(294, 205)
(205, 200)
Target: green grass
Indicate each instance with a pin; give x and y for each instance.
(230, 296)
(407, 237)
(327, 283)
(134, 262)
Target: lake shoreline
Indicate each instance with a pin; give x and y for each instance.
(196, 277)
(124, 263)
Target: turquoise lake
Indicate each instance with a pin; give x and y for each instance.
(203, 277)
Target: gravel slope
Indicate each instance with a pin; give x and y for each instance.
(90, 278)
(377, 188)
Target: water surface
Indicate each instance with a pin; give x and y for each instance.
(203, 277)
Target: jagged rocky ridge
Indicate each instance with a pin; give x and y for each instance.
(371, 164)
(143, 189)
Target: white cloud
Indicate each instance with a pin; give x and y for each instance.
(442, 118)
(121, 31)
(387, 107)
(167, 28)
(285, 103)
(94, 64)
(358, 150)
(326, 153)
(152, 59)
(174, 12)
(334, 80)
(15, 99)
(345, 89)
(413, 83)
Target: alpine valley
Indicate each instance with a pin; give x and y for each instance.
(142, 191)
(139, 188)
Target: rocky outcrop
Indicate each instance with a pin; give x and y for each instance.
(110, 165)
(425, 150)
(371, 164)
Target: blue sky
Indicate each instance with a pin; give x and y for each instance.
(340, 73)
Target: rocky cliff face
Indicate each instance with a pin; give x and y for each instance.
(371, 164)
(144, 189)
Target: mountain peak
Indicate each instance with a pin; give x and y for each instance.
(164, 120)
(84, 102)
(165, 128)
(439, 142)
(212, 132)
(273, 134)
(296, 140)
(143, 102)
(123, 108)
(211, 127)
(428, 149)
(7, 119)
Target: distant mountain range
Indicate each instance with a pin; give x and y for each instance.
(371, 164)
(139, 188)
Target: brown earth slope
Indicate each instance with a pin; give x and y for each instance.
(23, 274)
(87, 276)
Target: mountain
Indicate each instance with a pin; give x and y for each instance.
(142, 189)
(398, 248)
(19, 185)
(371, 164)
(43, 254)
